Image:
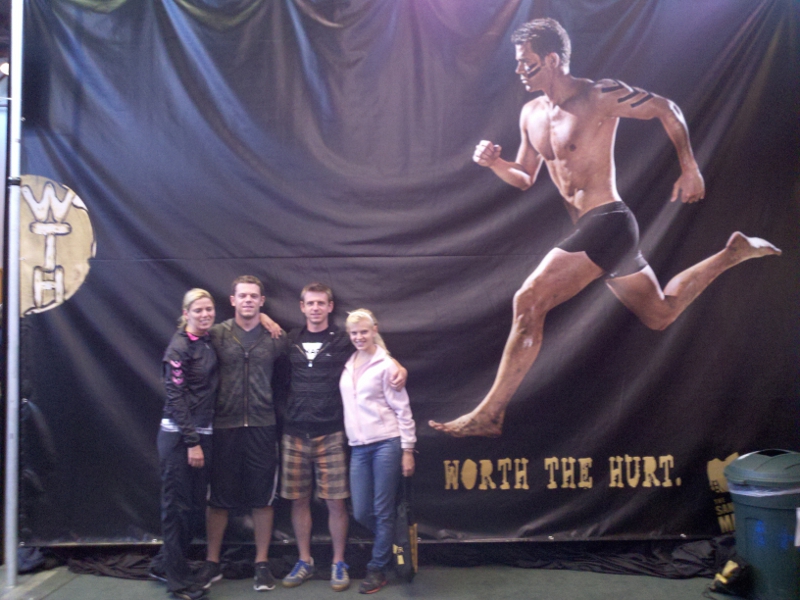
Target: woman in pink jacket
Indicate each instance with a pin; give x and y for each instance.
(381, 431)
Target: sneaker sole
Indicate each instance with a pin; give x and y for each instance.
(214, 579)
(187, 596)
(372, 591)
(293, 584)
(340, 587)
(263, 588)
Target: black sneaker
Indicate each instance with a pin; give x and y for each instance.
(208, 574)
(264, 581)
(373, 582)
(193, 592)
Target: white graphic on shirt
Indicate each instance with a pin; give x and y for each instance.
(311, 349)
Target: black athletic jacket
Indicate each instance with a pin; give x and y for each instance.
(190, 380)
(314, 406)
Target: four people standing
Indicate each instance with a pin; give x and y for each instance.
(244, 474)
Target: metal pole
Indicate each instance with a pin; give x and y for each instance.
(12, 295)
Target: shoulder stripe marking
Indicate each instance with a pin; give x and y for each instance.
(642, 101)
(628, 97)
(614, 88)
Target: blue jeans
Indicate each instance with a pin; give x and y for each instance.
(375, 471)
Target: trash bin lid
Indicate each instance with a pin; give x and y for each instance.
(766, 468)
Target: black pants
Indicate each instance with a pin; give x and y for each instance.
(183, 502)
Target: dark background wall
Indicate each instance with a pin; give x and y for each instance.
(211, 140)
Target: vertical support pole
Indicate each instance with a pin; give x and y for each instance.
(12, 296)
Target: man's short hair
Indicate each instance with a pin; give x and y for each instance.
(545, 36)
(246, 279)
(316, 287)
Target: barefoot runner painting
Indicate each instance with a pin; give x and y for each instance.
(571, 128)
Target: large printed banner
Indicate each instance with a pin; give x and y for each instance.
(576, 393)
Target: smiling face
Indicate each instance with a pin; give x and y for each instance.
(316, 307)
(247, 301)
(199, 316)
(362, 334)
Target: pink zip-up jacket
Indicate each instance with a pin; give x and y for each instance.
(373, 411)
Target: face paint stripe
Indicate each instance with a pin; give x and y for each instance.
(642, 101)
(533, 71)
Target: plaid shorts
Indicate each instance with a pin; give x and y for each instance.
(327, 456)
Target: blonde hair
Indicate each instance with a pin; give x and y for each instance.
(188, 299)
(363, 314)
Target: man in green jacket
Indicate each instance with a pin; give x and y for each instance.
(244, 472)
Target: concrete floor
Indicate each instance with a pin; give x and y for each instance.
(439, 583)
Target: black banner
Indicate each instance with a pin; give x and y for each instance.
(333, 140)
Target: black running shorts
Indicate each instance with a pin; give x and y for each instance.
(609, 235)
(244, 473)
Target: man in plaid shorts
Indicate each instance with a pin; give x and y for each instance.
(313, 432)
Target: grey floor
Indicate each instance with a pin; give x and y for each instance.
(462, 583)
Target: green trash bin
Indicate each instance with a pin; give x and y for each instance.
(765, 488)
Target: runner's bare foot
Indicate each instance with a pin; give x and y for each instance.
(472, 424)
(743, 247)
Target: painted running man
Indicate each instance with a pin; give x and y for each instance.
(571, 128)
